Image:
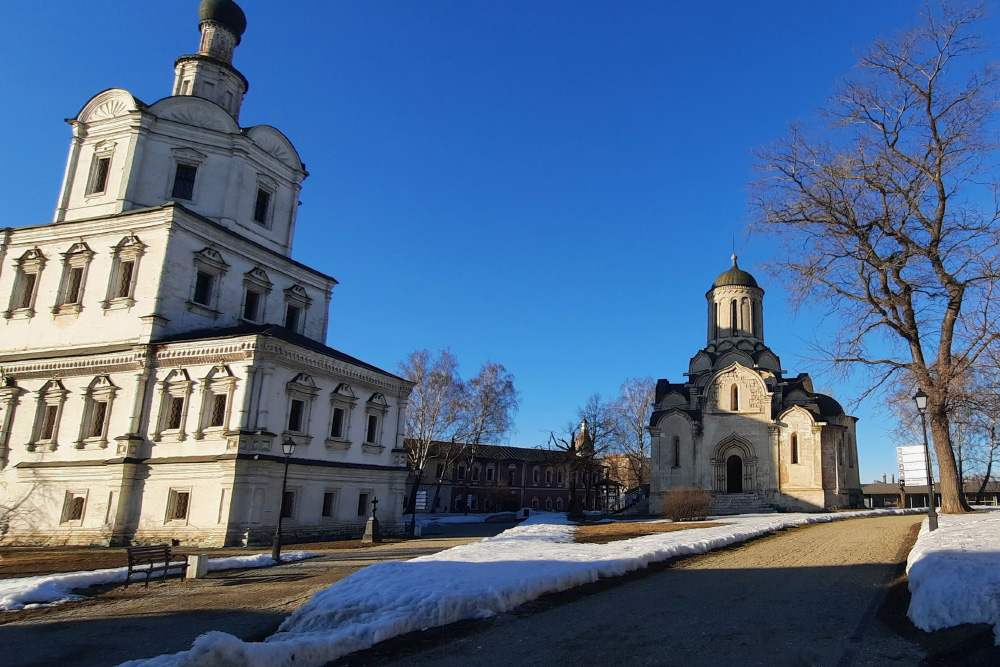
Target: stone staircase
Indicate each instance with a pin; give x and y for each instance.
(740, 503)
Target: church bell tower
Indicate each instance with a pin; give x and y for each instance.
(210, 74)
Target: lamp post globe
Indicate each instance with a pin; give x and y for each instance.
(287, 448)
(920, 398)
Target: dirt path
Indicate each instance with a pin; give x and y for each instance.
(119, 624)
(805, 596)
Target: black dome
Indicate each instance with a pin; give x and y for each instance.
(225, 12)
(735, 276)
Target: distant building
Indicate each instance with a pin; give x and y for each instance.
(159, 343)
(738, 426)
(880, 494)
(493, 478)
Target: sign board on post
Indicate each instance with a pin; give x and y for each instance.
(912, 465)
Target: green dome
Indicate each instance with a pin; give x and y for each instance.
(735, 277)
(226, 12)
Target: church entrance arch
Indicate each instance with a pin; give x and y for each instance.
(735, 466)
(734, 474)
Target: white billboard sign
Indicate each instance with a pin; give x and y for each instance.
(912, 464)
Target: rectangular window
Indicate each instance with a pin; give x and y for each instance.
(99, 176)
(204, 285)
(475, 474)
(329, 503)
(175, 410)
(363, 504)
(295, 415)
(372, 429)
(251, 306)
(177, 505)
(337, 427)
(261, 206)
(292, 317)
(512, 477)
(548, 476)
(26, 291)
(438, 471)
(287, 504)
(49, 422)
(123, 289)
(73, 507)
(74, 281)
(184, 182)
(218, 416)
(98, 418)
(489, 473)
(559, 476)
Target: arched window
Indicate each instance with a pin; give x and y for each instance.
(677, 452)
(734, 395)
(795, 448)
(732, 315)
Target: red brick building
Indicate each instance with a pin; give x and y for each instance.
(493, 478)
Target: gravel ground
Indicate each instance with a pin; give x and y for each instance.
(118, 624)
(804, 596)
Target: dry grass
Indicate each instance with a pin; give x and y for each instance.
(602, 533)
(29, 561)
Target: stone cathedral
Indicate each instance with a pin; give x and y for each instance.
(743, 429)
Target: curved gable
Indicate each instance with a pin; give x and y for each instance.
(276, 144)
(195, 111)
(110, 103)
(735, 357)
(799, 412)
(752, 390)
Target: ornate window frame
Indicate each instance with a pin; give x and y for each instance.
(104, 151)
(76, 262)
(255, 280)
(219, 381)
(101, 390)
(69, 501)
(52, 395)
(121, 284)
(22, 297)
(341, 398)
(208, 262)
(377, 407)
(269, 187)
(296, 297)
(176, 385)
(187, 157)
(301, 388)
(173, 496)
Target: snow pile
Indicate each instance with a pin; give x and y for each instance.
(50, 588)
(424, 520)
(474, 580)
(954, 573)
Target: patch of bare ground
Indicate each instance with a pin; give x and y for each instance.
(30, 561)
(603, 533)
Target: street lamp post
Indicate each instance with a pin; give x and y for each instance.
(287, 447)
(920, 398)
(413, 501)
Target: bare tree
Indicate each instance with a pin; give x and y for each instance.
(583, 442)
(885, 221)
(486, 410)
(433, 409)
(629, 415)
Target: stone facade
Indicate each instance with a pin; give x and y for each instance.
(739, 425)
(159, 343)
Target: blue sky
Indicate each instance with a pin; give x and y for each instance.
(550, 184)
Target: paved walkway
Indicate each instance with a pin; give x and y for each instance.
(803, 597)
(120, 624)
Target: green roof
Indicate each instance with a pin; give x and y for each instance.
(735, 276)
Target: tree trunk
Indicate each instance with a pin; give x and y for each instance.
(952, 496)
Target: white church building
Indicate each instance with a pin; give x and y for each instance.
(743, 429)
(158, 343)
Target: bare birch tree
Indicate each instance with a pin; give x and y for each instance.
(433, 409)
(629, 415)
(486, 410)
(885, 220)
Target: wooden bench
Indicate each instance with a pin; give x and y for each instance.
(149, 560)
